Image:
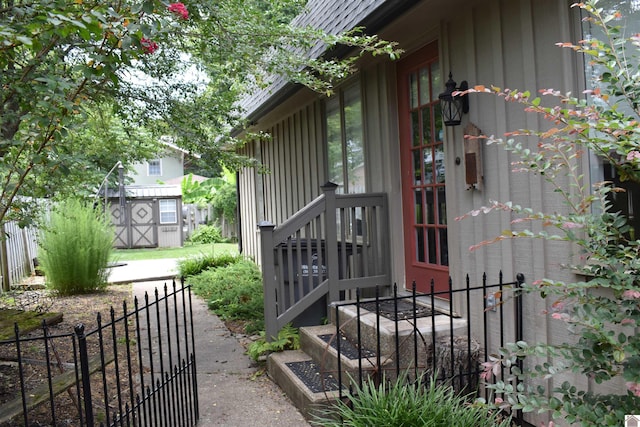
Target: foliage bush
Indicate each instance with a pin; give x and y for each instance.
(75, 246)
(233, 292)
(402, 403)
(207, 234)
(288, 339)
(194, 265)
(602, 312)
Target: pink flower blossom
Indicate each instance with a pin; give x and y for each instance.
(570, 225)
(148, 46)
(633, 155)
(631, 294)
(179, 9)
(628, 322)
(634, 388)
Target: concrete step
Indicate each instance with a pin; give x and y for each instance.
(310, 389)
(441, 325)
(320, 343)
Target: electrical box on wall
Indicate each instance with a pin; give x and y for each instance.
(473, 157)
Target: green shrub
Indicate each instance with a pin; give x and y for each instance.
(402, 403)
(233, 292)
(75, 246)
(197, 264)
(207, 234)
(288, 339)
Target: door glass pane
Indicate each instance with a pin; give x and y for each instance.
(437, 126)
(436, 82)
(413, 91)
(439, 163)
(418, 207)
(424, 85)
(417, 166)
(429, 205)
(415, 128)
(426, 125)
(420, 256)
(431, 236)
(442, 206)
(444, 247)
(428, 165)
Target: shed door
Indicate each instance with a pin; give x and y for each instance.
(144, 223)
(423, 170)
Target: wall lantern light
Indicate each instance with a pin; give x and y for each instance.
(453, 107)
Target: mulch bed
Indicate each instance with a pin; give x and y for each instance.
(74, 310)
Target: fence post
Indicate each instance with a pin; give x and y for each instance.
(331, 240)
(84, 370)
(268, 279)
(4, 260)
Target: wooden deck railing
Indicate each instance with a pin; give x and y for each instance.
(335, 244)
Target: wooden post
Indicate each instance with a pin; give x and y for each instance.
(331, 241)
(268, 280)
(4, 259)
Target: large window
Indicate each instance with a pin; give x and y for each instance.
(627, 202)
(168, 211)
(154, 168)
(345, 142)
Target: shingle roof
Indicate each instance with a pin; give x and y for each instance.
(332, 16)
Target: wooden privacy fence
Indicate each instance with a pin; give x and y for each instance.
(18, 249)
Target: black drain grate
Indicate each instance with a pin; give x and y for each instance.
(405, 309)
(347, 348)
(309, 373)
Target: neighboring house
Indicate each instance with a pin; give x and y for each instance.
(383, 126)
(169, 165)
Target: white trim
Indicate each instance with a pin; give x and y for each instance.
(168, 209)
(159, 167)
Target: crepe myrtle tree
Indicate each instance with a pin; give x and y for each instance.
(170, 67)
(603, 311)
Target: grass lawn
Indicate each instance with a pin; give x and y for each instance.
(184, 252)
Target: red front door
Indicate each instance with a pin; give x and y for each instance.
(423, 170)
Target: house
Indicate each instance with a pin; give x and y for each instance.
(382, 133)
(168, 165)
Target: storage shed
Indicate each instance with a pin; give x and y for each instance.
(149, 216)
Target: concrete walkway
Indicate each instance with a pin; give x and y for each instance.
(231, 391)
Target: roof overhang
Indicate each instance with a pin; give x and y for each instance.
(373, 21)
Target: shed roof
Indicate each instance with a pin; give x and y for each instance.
(334, 17)
(148, 191)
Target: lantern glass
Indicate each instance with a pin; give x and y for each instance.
(453, 107)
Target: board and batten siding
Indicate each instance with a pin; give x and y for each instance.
(511, 45)
(294, 160)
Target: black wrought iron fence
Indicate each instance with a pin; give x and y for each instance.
(443, 335)
(136, 369)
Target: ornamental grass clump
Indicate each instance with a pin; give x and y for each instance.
(405, 403)
(75, 247)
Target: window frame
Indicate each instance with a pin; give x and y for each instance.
(162, 209)
(149, 166)
(344, 186)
